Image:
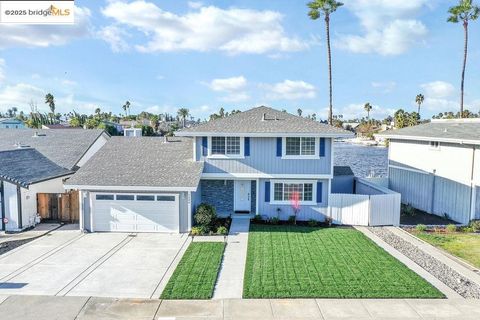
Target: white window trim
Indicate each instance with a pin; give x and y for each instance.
(272, 192)
(227, 156)
(298, 157)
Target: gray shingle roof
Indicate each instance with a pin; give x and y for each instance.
(444, 131)
(64, 147)
(264, 120)
(342, 171)
(28, 166)
(141, 162)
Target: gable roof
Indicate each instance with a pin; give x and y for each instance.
(27, 166)
(264, 121)
(63, 147)
(455, 131)
(140, 163)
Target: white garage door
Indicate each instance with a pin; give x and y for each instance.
(135, 212)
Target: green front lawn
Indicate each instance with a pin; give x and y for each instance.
(196, 274)
(463, 245)
(303, 262)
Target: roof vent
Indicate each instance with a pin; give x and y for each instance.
(36, 134)
(19, 145)
(165, 140)
(445, 130)
(264, 116)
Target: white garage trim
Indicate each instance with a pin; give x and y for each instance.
(135, 212)
(128, 188)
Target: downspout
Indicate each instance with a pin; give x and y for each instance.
(19, 207)
(472, 185)
(2, 200)
(432, 205)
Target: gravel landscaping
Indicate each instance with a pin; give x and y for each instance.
(447, 275)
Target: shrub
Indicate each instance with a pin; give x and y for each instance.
(467, 229)
(475, 225)
(274, 220)
(196, 231)
(408, 210)
(451, 228)
(222, 230)
(312, 223)
(292, 219)
(421, 227)
(205, 215)
(257, 218)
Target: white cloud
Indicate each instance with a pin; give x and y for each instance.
(385, 87)
(234, 87)
(2, 69)
(67, 82)
(438, 89)
(14, 35)
(20, 95)
(195, 4)
(357, 111)
(289, 90)
(207, 29)
(388, 27)
(114, 36)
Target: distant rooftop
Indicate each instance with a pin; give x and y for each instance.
(342, 171)
(445, 130)
(64, 147)
(264, 121)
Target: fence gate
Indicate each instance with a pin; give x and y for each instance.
(62, 207)
(349, 209)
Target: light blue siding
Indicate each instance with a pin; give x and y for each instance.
(342, 184)
(263, 159)
(432, 194)
(477, 203)
(317, 212)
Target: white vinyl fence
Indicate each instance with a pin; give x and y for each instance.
(373, 205)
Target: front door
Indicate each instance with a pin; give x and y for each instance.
(242, 195)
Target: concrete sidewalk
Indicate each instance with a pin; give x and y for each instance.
(81, 308)
(230, 279)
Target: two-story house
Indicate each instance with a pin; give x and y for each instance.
(252, 162)
(436, 167)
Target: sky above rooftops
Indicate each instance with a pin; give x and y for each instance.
(162, 55)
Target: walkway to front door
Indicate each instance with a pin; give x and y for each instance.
(230, 280)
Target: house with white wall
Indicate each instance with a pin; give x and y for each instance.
(436, 167)
(38, 161)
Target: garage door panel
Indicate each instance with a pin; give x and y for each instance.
(136, 216)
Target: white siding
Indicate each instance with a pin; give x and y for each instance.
(11, 206)
(349, 209)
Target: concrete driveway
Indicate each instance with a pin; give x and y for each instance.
(69, 263)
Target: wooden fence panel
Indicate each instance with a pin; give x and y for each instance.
(63, 207)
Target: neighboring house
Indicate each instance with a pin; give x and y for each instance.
(251, 162)
(343, 180)
(11, 123)
(146, 184)
(436, 167)
(116, 125)
(37, 161)
(57, 126)
(132, 132)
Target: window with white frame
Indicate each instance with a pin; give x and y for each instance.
(227, 146)
(285, 191)
(300, 146)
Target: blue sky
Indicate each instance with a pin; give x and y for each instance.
(162, 55)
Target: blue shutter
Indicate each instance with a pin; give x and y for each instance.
(319, 192)
(322, 147)
(247, 147)
(205, 146)
(279, 147)
(267, 191)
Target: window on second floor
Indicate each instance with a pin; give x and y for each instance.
(227, 146)
(300, 146)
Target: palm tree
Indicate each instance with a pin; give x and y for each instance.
(50, 100)
(367, 107)
(465, 11)
(183, 113)
(299, 111)
(326, 7)
(126, 107)
(419, 100)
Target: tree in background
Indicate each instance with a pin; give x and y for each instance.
(368, 107)
(50, 100)
(465, 12)
(222, 114)
(419, 100)
(404, 119)
(126, 108)
(299, 112)
(154, 122)
(183, 113)
(326, 8)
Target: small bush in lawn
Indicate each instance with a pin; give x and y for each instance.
(196, 231)
(274, 220)
(205, 215)
(451, 228)
(467, 229)
(475, 225)
(292, 219)
(312, 223)
(421, 227)
(222, 230)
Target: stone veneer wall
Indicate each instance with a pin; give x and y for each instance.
(219, 194)
(254, 196)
